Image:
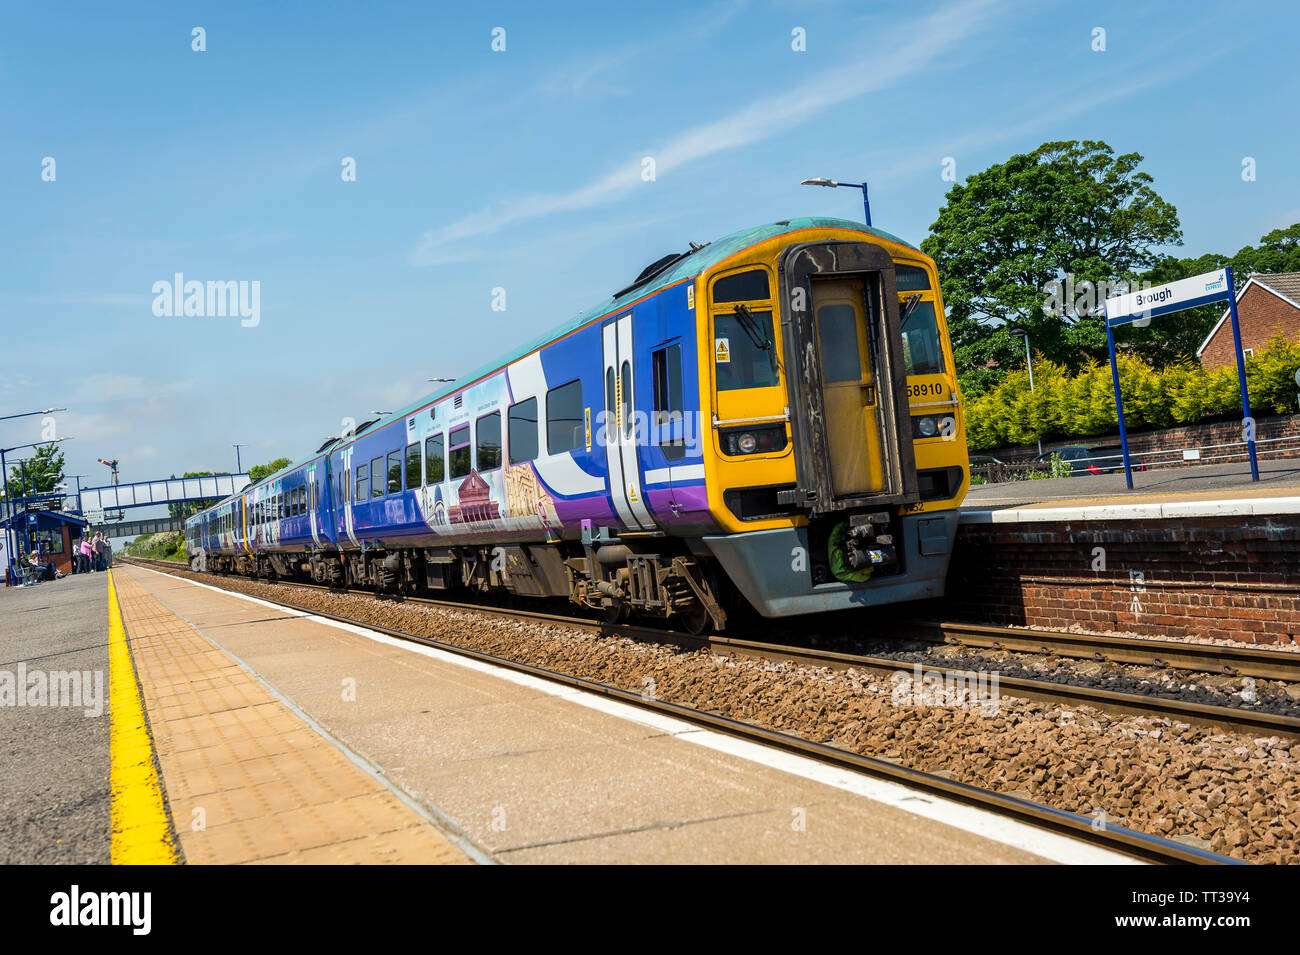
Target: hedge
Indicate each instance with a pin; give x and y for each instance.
(1064, 405)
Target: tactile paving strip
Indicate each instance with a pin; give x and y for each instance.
(247, 779)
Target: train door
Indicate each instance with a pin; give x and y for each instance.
(620, 431)
(313, 500)
(345, 524)
(847, 346)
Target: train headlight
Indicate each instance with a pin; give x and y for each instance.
(759, 440)
(925, 427)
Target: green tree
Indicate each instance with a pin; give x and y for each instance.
(1005, 235)
(44, 470)
(259, 471)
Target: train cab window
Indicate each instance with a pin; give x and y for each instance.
(394, 472)
(433, 463)
(744, 350)
(523, 431)
(376, 477)
(564, 418)
(487, 430)
(460, 452)
(922, 353)
(414, 466)
(910, 278)
(666, 366)
(742, 287)
(363, 483)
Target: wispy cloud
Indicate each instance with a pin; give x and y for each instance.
(887, 61)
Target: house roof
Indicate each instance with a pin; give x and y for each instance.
(1285, 285)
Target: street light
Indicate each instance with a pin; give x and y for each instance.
(28, 414)
(833, 184)
(239, 468)
(1029, 363)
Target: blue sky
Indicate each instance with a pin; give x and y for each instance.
(521, 170)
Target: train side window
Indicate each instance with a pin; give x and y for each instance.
(460, 452)
(626, 376)
(394, 472)
(376, 477)
(414, 467)
(564, 418)
(666, 365)
(922, 353)
(433, 463)
(523, 431)
(487, 431)
(363, 483)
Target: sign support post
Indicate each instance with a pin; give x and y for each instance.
(1248, 422)
(1119, 406)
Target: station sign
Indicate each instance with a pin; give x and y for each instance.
(1143, 304)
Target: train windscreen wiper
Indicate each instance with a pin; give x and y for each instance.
(909, 307)
(749, 324)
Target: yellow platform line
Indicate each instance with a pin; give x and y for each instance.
(141, 832)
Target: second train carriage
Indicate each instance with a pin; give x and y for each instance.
(772, 416)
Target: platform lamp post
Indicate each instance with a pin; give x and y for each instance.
(239, 467)
(834, 184)
(1029, 363)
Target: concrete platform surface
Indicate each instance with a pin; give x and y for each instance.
(54, 722)
(503, 767)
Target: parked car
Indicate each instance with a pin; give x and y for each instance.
(1100, 459)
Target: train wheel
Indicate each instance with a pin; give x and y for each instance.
(616, 614)
(696, 620)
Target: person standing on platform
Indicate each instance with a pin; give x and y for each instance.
(86, 566)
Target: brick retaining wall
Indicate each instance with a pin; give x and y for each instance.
(1231, 577)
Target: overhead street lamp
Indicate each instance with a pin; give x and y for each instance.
(834, 184)
(28, 414)
(1029, 363)
(239, 468)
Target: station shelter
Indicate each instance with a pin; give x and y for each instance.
(49, 534)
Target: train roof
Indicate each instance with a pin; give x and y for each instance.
(688, 266)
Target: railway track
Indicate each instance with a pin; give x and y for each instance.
(1130, 842)
(1249, 661)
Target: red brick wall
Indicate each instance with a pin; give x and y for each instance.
(1261, 315)
(1235, 578)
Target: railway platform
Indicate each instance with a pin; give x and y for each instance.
(238, 731)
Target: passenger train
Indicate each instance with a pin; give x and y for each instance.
(768, 419)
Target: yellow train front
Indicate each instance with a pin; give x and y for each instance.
(838, 456)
